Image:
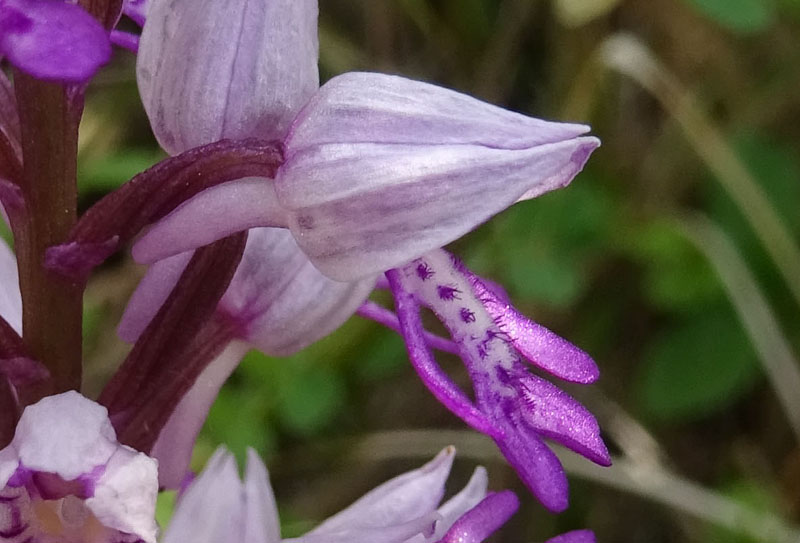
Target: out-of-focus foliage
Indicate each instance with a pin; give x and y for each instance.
(604, 262)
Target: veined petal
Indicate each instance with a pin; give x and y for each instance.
(405, 498)
(395, 533)
(261, 524)
(173, 448)
(361, 107)
(362, 208)
(576, 536)
(54, 41)
(283, 302)
(212, 509)
(253, 64)
(450, 511)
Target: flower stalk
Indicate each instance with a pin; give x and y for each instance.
(52, 304)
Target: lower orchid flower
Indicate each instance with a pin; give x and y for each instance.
(219, 507)
(65, 479)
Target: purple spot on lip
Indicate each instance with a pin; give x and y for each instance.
(14, 21)
(467, 315)
(424, 272)
(448, 293)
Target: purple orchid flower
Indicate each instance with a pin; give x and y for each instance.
(218, 507)
(52, 40)
(65, 479)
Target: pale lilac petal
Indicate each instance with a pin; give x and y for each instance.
(136, 10)
(252, 65)
(175, 443)
(405, 498)
(484, 519)
(363, 208)
(536, 343)
(553, 413)
(282, 302)
(125, 495)
(359, 107)
(10, 297)
(52, 40)
(212, 509)
(261, 524)
(150, 294)
(538, 467)
(395, 533)
(213, 214)
(576, 536)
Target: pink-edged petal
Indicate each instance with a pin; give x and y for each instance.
(554, 414)
(401, 110)
(233, 84)
(538, 467)
(281, 301)
(432, 375)
(483, 519)
(10, 297)
(576, 536)
(52, 40)
(212, 214)
(536, 343)
(261, 524)
(363, 208)
(175, 443)
(404, 499)
(212, 509)
(150, 294)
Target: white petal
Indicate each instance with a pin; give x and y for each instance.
(125, 495)
(10, 297)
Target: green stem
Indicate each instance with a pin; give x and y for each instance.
(52, 304)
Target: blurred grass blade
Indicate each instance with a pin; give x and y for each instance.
(753, 309)
(627, 55)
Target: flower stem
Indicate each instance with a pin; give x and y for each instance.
(52, 304)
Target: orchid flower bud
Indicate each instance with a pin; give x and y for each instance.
(65, 479)
(380, 170)
(209, 70)
(53, 41)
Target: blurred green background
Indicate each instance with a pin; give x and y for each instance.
(672, 259)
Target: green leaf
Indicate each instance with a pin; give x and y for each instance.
(700, 366)
(740, 16)
(311, 400)
(108, 172)
(676, 276)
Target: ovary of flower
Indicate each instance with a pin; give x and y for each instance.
(65, 479)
